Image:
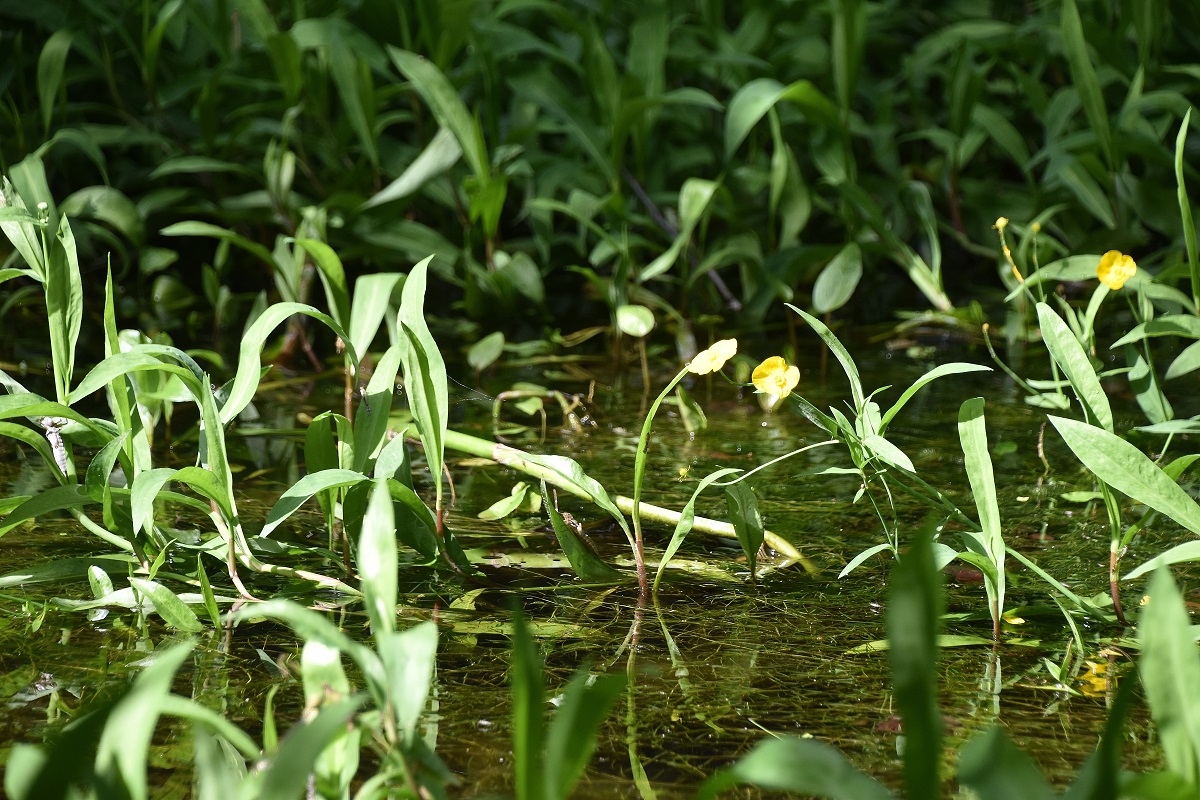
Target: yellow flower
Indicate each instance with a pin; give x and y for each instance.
(712, 359)
(1001, 223)
(775, 377)
(1115, 268)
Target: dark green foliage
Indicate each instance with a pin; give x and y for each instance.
(512, 140)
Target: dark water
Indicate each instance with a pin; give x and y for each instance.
(716, 665)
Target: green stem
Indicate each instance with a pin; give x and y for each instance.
(515, 459)
(639, 473)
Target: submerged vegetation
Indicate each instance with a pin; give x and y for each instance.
(408, 177)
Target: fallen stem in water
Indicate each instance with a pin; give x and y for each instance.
(514, 458)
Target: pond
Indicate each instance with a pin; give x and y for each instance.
(715, 663)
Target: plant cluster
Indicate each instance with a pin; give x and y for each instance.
(655, 147)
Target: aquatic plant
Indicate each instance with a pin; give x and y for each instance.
(989, 764)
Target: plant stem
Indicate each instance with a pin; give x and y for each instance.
(514, 458)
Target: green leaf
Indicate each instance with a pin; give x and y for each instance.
(1183, 325)
(1087, 191)
(424, 372)
(507, 505)
(139, 359)
(245, 383)
(1074, 362)
(996, 769)
(1170, 670)
(687, 518)
(64, 306)
(528, 715)
(299, 493)
(747, 521)
(374, 415)
(202, 165)
(1185, 363)
(1143, 380)
(56, 498)
(442, 152)
(1126, 469)
(753, 100)
(1100, 776)
(694, 198)
(333, 277)
(308, 624)
(634, 320)
(571, 737)
(22, 228)
(841, 353)
(1185, 209)
(887, 451)
(174, 611)
(847, 46)
(448, 108)
(837, 282)
(972, 434)
(372, 294)
(378, 562)
(913, 615)
(586, 564)
(197, 228)
(286, 774)
(567, 471)
(1003, 133)
(1083, 76)
(1188, 551)
(50, 65)
(855, 562)
(485, 352)
(940, 371)
(121, 757)
(409, 659)
(803, 766)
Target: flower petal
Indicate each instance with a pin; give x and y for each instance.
(712, 359)
(1115, 269)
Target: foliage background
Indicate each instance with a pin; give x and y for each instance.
(705, 158)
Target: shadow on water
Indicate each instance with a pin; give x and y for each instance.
(715, 664)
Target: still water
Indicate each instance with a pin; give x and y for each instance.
(716, 664)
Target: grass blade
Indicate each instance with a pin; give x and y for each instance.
(64, 306)
(245, 383)
(287, 773)
(424, 372)
(840, 352)
(687, 518)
